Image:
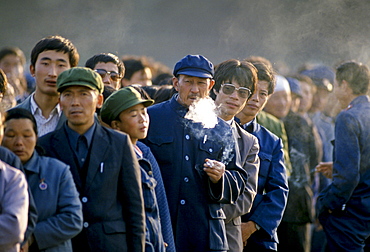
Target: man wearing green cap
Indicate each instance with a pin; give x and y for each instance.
(103, 164)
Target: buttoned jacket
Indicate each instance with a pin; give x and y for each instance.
(111, 195)
(181, 146)
(272, 193)
(57, 201)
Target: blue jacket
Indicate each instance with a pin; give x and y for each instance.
(180, 147)
(160, 193)
(350, 188)
(58, 205)
(272, 191)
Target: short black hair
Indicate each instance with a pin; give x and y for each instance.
(105, 58)
(21, 113)
(56, 43)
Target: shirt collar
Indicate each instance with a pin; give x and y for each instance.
(73, 135)
(36, 109)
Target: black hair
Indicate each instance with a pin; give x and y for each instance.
(21, 113)
(56, 43)
(105, 58)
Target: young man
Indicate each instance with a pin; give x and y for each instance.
(260, 225)
(344, 206)
(195, 190)
(50, 57)
(110, 68)
(103, 165)
(235, 82)
(125, 110)
(137, 72)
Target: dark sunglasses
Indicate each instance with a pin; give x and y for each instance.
(243, 92)
(113, 75)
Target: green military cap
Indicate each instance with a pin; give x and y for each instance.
(119, 101)
(80, 76)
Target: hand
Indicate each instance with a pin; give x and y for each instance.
(248, 228)
(214, 169)
(326, 168)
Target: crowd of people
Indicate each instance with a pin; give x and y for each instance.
(126, 154)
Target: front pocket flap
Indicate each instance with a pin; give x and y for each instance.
(159, 140)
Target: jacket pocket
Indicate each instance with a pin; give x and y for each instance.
(217, 231)
(265, 160)
(148, 185)
(162, 148)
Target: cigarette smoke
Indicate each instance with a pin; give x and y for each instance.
(204, 112)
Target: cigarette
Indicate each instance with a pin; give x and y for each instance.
(205, 139)
(209, 163)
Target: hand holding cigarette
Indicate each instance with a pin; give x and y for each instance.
(326, 168)
(214, 169)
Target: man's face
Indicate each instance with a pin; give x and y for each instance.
(12, 66)
(307, 96)
(141, 77)
(229, 104)
(48, 66)
(319, 99)
(191, 88)
(134, 121)
(279, 104)
(257, 101)
(341, 93)
(110, 78)
(79, 104)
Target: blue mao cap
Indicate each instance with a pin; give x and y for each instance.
(294, 86)
(194, 65)
(323, 76)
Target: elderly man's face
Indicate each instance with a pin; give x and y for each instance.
(191, 88)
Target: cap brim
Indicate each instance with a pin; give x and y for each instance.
(77, 83)
(196, 74)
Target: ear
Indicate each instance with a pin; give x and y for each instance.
(99, 104)
(114, 125)
(175, 82)
(60, 104)
(211, 84)
(32, 70)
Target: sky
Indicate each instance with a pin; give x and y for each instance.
(289, 33)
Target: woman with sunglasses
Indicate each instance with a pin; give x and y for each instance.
(51, 183)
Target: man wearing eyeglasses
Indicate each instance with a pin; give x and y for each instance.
(189, 156)
(109, 67)
(235, 81)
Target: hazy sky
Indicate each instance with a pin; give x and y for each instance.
(284, 31)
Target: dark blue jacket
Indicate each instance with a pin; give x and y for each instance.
(272, 191)
(160, 193)
(350, 188)
(180, 147)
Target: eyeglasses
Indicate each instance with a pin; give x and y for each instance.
(243, 92)
(113, 75)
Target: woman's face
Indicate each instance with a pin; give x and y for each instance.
(20, 138)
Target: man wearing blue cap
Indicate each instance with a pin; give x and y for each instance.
(103, 164)
(188, 155)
